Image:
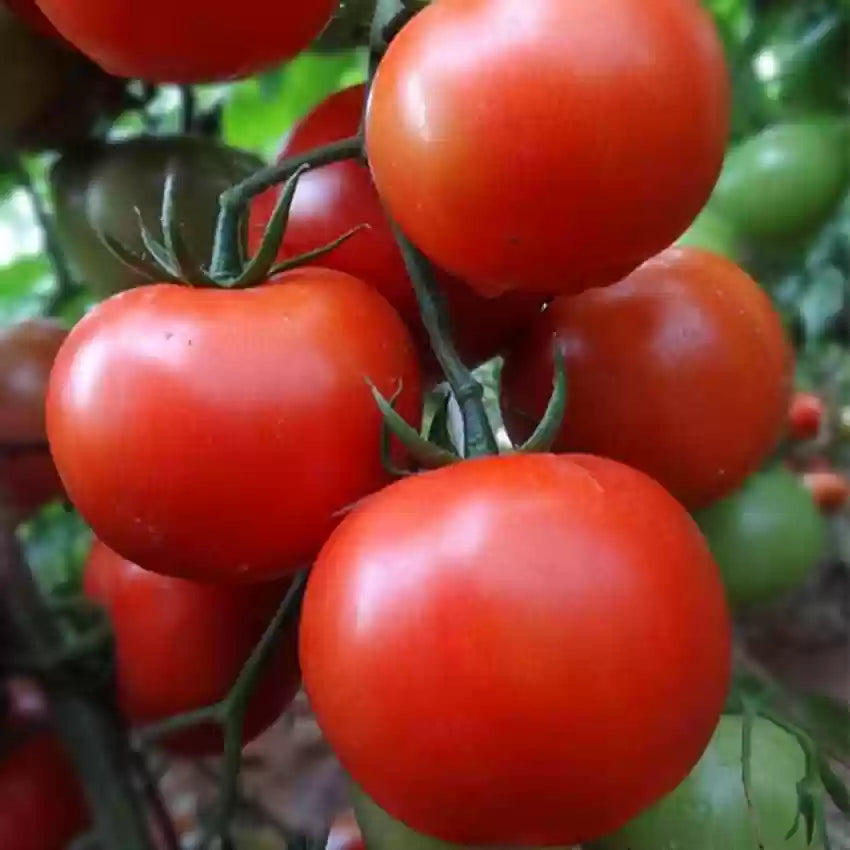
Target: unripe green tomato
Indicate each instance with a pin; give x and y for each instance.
(765, 537)
(383, 832)
(784, 182)
(712, 232)
(98, 189)
(708, 811)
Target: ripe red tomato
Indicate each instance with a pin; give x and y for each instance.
(830, 490)
(548, 146)
(681, 370)
(517, 633)
(191, 41)
(218, 435)
(41, 802)
(332, 200)
(805, 416)
(27, 351)
(180, 646)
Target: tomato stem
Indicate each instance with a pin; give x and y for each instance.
(479, 438)
(227, 248)
(91, 729)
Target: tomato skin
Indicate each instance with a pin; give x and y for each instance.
(681, 370)
(766, 537)
(428, 569)
(830, 490)
(133, 40)
(560, 177)
(27, 351)
(332, 200)
(180, 646)
(41, 802)
(172, 411)
(785, 181)
(709, 809)
(27, 11)
(91, 188)
(805, 416)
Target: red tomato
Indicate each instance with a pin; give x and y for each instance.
(191, 41)
(218, 435)
(681, 370)
(545, 145)
(332, 200)
(830, 490)
(27, 351)
(518, 634)
(180, 646)
(805, 416)
(27, 11)
(41, 802)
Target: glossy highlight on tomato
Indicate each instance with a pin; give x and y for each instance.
(681, 370)
(538, 595)
(220, 435)
(191, 41)
(548, 146)
(332, 200)
(180, 646)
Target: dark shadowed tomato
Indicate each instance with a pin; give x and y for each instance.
(709, 811)
(41, 802)
(98, 189)
(215, 434)
(180, 646)
(51, 96)
(27, 351)
(528, 589)
(28, 11)
(332, 200)
(544, 145)
(766, 537)
(805, 416)
(681, 370)
(191, 41)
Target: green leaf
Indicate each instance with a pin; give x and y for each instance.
(24, 286)
(835, 787)
(827, 720)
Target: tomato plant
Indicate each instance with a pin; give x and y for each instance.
(41, 803)
(218, 434)
(805, 416)
(784, 182)
(180, 646)
(712, 232)
(581, 157)
(766, 537)
(681, 370)
(479, 572)
(709, 809)
(27, 351)
(332, 200)
(190, 41)
(90, 189)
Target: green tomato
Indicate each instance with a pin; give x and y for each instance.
(784, 182)
(383, 832)
(97, 190)
(712, 232)
(765, 537)
(708, 811)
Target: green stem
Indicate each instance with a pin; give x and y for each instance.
(227, 254)
(479, 438)
(90, 728)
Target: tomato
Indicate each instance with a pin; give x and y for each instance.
(474, 634)
(218, 434)
(27, 11)
(681, 370)
(41, 802)
(548, 146)
(712, 232)
(387, 833)
(766, 537)
(180, 646)
(805, 416)
(784, 182)
(98, 189)
(332, 200)
(191, 41)
(27, 351)
(830, 490)
(51, 96)
(709, 809)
